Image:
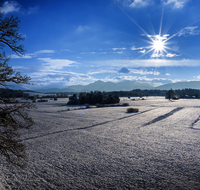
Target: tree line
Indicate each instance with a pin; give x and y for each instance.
(181, 93)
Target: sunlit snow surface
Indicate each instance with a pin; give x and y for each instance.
(107, 148)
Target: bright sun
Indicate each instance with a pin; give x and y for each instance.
(158, 45)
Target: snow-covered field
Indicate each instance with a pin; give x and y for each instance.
(107, 148)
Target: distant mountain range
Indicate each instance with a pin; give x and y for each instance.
(125, 85)
(101, 86)
(180, 85)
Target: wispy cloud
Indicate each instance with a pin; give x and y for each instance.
(62, 79)
(134, 48)
(139, 3)
(32, 10)
(31, 55)
(144, 71)
(189, 31)
(172, 55)
(118, 49)
(176, 3)
(152, 81)
(157, 37)
(167, 74)
(149, 63)
(101, 71)
(197, 77)
(56, 63)
(27, 56)
(91, 52)
(124, 70)
(45, 51)
(157, 55)
(66, 50)
(9, 7)
(82, 28)
(143, 51)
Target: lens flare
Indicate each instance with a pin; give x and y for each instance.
(158, 45)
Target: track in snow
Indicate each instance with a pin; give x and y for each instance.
(193, 124)
(164, 116)
(82, 128)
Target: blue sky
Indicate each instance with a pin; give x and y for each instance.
(70, 42)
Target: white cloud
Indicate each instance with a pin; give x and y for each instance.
(158, 37)
(177, 80)
(32, 10)
(197, 77)
(14, 56)
(11, 6)
(134, 48)
(140, 71)
(167, 74)
(162, 55)
(157, 55)
(189, 31)
(144, 72)
(59, 79)
(101, 71)
(82, 28)
(156, 73)
(57, 63)
(152, 81)
(176, 3)
(116, 49)
(45, 51)
(31, 55)
(143, 51)
(88, 52)
(172, 55)
(148, 63)
(139, 3)
(66, 50)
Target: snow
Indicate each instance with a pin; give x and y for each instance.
(107, 148)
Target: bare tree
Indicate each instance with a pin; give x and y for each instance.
(13, 113)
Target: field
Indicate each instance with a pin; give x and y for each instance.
(108, 148)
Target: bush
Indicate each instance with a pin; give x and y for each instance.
(42, 100)
(98, 105)
(125, 104)
(131, 110)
